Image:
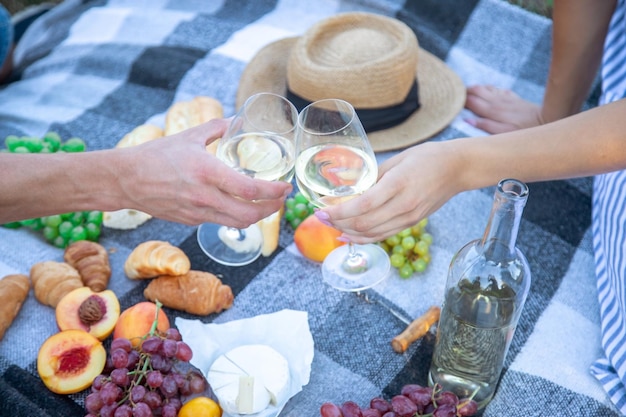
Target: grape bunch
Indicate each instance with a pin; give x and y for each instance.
(59, 230)
(154, 378)
(409, 250)
(297, 208)
(413, 401)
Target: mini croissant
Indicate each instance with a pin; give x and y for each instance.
(196, 292)
(52, 280)
(13, 291)
(154, 257)
(92, 263)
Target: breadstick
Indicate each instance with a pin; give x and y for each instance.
(417, 329)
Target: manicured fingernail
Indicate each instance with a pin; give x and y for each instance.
(470, 122)
(323, 217)
(343, 239)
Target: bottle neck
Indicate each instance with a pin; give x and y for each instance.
(500, 235)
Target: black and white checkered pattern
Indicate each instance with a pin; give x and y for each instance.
(97, 69)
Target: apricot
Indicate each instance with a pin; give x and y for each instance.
(84, 309)
(135, 322)
(69, 361)
(315, 240)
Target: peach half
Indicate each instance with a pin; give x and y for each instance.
(136, 321)
(84, 309)
(69, 361)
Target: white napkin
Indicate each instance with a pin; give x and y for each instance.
(286, 331)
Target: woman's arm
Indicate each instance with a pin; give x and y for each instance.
(418, 181)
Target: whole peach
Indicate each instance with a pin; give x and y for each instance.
(315, 240)
(135, 322)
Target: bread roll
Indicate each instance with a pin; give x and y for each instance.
(140, 134)
(186, 114)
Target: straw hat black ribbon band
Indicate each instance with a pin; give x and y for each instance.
(375, 119)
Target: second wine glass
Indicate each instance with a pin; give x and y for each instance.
(335, 162)
(259, 142)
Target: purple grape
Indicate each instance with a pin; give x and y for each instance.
(119, 358)
(93, 402)
(421, 397)
(173, 334)
(351, 409)
(467, 408)
(152, 344)
(371, 412)
(123, 410)
(108, 410)
(390, 414)
(197, 383)
(446, 397)
(97, 383)
(121, 343)
(168, 410)
(330, 410)
(169, 347)
(154, 379)
(380, 404)
(184, 352)
(445, 410)
(133, 359)
(109, 393)
(409, 388)
(142, 410)
(120, 377)
(153, 399)
(168, 387)
(175, 402)
(137, 393)
(403, 406)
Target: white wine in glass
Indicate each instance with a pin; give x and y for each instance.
(335, 163)
(259, 143)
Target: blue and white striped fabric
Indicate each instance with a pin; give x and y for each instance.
(609, 229)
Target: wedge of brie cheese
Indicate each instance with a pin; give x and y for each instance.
(248, 378)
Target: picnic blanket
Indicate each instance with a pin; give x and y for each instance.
(97, 69)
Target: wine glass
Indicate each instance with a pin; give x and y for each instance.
(335, 162)
(259, 142)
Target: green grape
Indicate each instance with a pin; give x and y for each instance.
(419, 265)
(27, 222)
(21, 149)
(34, 145)
(290, 203)
(94, 216)
(385, 246)
(13, 225)
(300, 198)
(11, 142)
(397, 249)
(301, 210)
(93, 231)
(60, 242)
(52, 140)
(405, 270)
(52, 221)
(37, 224)
(295, 222)
(289, 215)
(405, 232)
(393, 240)
(78, 233)
(67, 216)
(76, 218)
(421, 248)
(408, 242)
(397, 260)
(74, 145)
(65, 229)
(50, 233)
(427, 237)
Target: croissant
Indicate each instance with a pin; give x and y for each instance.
(52, 280)
(155, 257)
(91, 260)
(13, 291)
(196, 292)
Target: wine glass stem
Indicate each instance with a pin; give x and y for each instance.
(355, 262)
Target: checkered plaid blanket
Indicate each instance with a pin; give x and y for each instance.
(97, 69)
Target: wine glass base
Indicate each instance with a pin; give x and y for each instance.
(352, 278)
(225, 246)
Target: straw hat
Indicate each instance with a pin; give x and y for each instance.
(372, 61)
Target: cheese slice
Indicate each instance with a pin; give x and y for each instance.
(248, 378)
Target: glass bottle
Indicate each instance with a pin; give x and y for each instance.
(487, 285)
